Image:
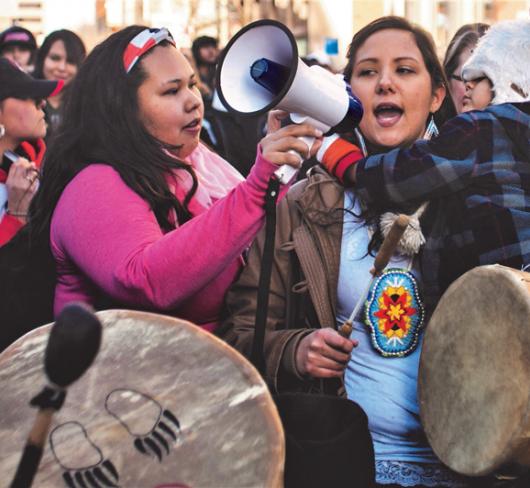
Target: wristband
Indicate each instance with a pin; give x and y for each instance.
(346, 163)
(338, 155)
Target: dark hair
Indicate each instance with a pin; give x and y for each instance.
(425, 45)
(198, 43)
(29, 43)
(446, 111)
(75, 49)
(8, 38)
(102, 125)
(466, 37)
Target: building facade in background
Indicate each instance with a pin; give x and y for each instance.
(312, 21)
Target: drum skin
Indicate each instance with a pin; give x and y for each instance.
(164, 404)
(474, 378)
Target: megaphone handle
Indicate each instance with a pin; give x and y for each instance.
(286, 173)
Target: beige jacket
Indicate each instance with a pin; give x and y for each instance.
(302, 297)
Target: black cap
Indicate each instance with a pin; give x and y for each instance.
(15, 83)
(17, 36)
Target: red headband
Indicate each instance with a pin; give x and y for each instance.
(143, 42)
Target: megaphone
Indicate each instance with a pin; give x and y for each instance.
(260, 70)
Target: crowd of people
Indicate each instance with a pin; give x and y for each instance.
(122, 171)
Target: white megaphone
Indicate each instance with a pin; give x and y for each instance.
(260, 70)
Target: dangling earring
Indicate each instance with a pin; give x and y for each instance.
(432, 129)
(360, 139)
(2, 131)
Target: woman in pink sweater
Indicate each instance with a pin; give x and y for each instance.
(139, 214)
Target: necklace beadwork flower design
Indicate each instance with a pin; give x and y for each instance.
(394, 312)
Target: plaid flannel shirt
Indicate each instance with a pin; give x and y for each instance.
(476, 174)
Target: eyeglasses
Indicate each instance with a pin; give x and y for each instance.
(476, 81)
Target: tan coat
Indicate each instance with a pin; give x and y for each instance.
(308, 231)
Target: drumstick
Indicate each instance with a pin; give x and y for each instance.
(381, 260)
(72, 346)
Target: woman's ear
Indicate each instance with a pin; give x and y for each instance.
(437, 98)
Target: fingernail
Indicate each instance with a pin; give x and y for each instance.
(318, 133)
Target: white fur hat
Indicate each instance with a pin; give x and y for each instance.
(503, 55)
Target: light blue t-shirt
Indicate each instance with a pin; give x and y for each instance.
(386, 388)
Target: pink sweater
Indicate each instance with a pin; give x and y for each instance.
(107, 242)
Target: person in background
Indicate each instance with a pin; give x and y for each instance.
(205, 52)
(233, 137)
(18, 45)
(22, 128)
(326, 237)
(457, 53)
(318, 58)
(135, 211)
(58, 58)
(239, 136)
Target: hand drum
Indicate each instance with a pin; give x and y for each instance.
(164, 404)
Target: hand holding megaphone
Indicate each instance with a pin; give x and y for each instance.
(289, 145)
(260, 70)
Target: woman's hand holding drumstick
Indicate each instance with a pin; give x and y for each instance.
(381, 260)
(324, 353)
